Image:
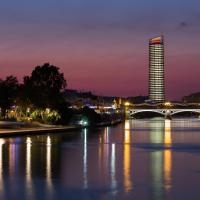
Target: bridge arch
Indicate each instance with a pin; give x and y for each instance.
(161, 112)
(183, 111)
(164, 112)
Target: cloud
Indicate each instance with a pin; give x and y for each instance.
(183, 24)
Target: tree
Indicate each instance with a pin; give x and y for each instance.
(192, 98)
(91, 116)
(8, 93)
(44, 87)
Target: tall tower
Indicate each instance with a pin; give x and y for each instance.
(156, 69)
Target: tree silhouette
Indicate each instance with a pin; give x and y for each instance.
(8, 93)
(44, 87)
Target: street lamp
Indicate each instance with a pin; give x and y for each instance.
(168, 104)
(47, 110)
(127, 103)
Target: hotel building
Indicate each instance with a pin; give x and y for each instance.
(156, 70)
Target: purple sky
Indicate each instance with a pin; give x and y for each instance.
(102, 45)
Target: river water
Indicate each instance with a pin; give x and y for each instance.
(151, 159)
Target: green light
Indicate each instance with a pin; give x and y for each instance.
(84, 122)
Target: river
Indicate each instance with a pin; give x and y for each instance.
(150, 159)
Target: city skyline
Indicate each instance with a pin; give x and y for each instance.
(101, 46)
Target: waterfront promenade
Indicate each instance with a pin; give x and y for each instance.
(38, 130)
(11, 129)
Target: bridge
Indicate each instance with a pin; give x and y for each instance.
(164, 112)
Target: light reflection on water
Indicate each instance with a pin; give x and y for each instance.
(28, 168)
(127, 157)
(118, 162)
(48, 168)
(1, 167)
(85, 175)
(161, 160)
(113, 169)
(167, 156)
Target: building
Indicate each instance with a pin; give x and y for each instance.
(156, 70)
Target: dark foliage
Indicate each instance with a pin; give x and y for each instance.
(8, 93)
(137, 99)
(90, 115)
(44, 87)
(192, 98)
(65, 112)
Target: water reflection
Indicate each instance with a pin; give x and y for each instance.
(105, 147)
(106, 154)
(167, 156)
(127, 157)
(113, 169)
(85, 167)
(156, 127)
(12, 157)
(2, 142)
(161, 161)
(28, 166)
(168, 137)
(119, 162)
(48, 165)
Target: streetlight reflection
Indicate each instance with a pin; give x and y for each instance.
(48, 164)
(2, 142)
(113, 168)
(167, 156)
(85, 167)
(106, 135)
(106, 147)
(167, 138)
(127, 158)
(28, 165)
(12, 158)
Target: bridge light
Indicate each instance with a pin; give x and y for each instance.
(127, 103)
(168, 104)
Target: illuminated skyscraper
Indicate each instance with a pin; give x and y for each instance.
(156, 70)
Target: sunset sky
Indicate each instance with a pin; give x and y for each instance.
(102, 45)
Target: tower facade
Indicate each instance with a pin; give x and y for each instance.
(156, 70)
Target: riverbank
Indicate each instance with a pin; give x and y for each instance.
(8, 129)
(110, 123)
(31, 131)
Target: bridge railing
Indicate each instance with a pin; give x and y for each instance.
(163, 111)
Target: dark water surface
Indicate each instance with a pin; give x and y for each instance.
(139, 159)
